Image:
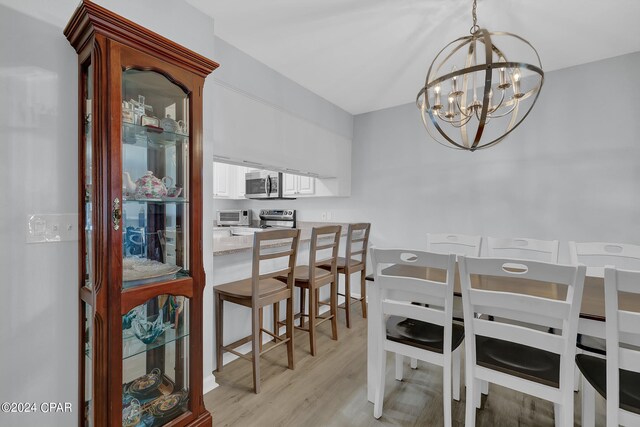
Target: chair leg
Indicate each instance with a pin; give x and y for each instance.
(347, 298)
(363, 292)
(455, 367)
(576, 378)
(289, 332)
(318, 301)
(566, 411)
(312, 320)
(302, 297)
(485, 387)
(255, 347)
(333, 301)
(588, 404)
(399, 366)
(446, 390)
(477, 384)
(557, 409)
(261, 321)
(414, 363)
(276, 319)
(380, 382)
(219, 329)
(470, 407)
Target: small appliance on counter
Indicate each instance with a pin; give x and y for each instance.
(234, 217)
(281, 218)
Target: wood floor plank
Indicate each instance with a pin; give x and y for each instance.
(330, 390)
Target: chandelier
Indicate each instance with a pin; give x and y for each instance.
(471, 84)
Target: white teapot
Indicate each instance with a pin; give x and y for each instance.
(170, 125)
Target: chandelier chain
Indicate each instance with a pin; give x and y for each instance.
(475, 26)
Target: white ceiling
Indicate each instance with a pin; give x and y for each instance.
(365, 55)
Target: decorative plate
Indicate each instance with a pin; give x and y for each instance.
(138, 271)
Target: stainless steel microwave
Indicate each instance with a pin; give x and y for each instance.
(263, 185)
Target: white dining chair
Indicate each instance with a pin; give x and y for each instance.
(426, 333)
(449, 243)
(517, 356)
(616, 378)
(523, 248)
(595, 255)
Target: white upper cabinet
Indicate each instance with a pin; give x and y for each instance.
(228, 181)
(221, 182)
(306, 185)
(297, 185)
(289, 184)
(251, 130)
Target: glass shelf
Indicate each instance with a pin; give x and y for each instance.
(132, 346)
(150, 137)
(168, 200)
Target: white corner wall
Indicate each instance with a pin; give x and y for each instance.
(38, 171)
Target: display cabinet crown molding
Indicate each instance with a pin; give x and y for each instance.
(90, 19)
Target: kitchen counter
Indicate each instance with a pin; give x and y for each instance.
(225, 245)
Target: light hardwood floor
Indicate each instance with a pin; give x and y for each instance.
(330, 390)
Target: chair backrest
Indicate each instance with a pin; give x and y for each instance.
(396, 290)
(595, 255)
(522, 248)
(622, 334)
(324, 239)
(459, 244)
(481, 277)
(357, 242)
(286, 246)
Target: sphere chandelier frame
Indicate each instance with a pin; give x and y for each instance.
(461, 110)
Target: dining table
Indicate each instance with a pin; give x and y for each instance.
(592, 310)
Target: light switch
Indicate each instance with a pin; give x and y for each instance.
(49, 228)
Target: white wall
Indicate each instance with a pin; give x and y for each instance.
(38, 171)
(571, 171)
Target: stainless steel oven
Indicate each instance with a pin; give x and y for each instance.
(263, 185)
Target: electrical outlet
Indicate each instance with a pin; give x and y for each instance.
(324, 216)
(329, 216)
(50, 228)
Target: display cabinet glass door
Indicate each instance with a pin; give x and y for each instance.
(155, 187)
(155, 361)
(87, 240)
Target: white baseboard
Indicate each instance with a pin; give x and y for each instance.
(208, 383)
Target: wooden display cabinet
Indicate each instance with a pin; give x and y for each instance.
(140, 197)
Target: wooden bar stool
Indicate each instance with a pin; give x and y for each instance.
(310, 277)
(355, 260)
(257, 292)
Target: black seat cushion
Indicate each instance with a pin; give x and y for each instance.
(518, 360)
(422, 334)
(594, 370)
(592, 344)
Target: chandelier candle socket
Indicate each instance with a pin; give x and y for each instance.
(488, 88)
